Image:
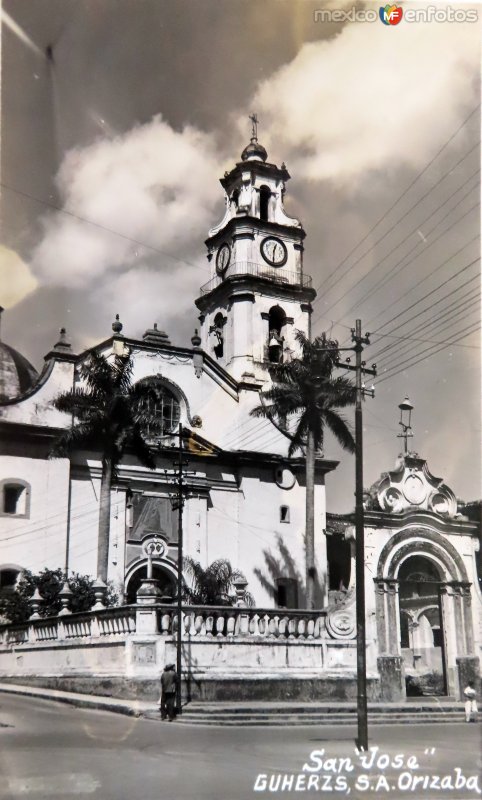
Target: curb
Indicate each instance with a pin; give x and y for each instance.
(131, 709)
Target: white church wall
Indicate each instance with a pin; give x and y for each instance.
(37, 408)
(84, 519)
(36, 540)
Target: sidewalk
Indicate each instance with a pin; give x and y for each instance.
(418, 709)
(132, 708)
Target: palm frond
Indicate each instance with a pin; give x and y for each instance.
(340, 430)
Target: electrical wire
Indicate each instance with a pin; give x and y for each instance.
(413, 182)
(392, 374)
(447, 314)
(101, 227)
(400, 219)
(429, 294)
(397, 268)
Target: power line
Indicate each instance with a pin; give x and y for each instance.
(101, 227)
(414, 181)
(447, 313)
(474, 327)
(394, 269)
(411, 346)
(433, 305)
(397, 223)
(437, 288)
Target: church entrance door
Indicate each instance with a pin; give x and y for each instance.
(167, 584)
(421, 627)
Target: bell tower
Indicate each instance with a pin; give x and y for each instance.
(258, 294)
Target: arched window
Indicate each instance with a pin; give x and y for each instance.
(276, 322)
(235, 197)
(164, 407)
(8, 578)
(264, 196)
(14, 498)
(217, 329)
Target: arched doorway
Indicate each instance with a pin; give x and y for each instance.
(167, 582)
(421, 626)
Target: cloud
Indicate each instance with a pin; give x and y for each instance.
(16, 278)
(371, 98)
(153, 185)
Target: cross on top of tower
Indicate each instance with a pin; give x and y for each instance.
(254, 130)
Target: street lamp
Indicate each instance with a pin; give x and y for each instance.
(405, 421)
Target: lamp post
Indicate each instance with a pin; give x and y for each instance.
(406, 409)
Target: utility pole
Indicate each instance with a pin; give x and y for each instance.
(360, 368)
(180, 503)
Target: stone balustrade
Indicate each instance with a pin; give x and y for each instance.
(221, 622)
(199, 622)
(108, 622)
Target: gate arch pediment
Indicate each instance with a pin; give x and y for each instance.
(420, 541)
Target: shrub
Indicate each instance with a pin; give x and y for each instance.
(16, 606)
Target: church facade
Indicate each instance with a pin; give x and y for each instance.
(245, 500)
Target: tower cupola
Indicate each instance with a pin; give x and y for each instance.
(254, 150)
(257, 289)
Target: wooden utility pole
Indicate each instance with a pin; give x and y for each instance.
(180, 503)
(360, 368)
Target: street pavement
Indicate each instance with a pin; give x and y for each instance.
(49, 750)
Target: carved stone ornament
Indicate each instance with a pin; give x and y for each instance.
(411, 486)
(153, 547)
(341, 619)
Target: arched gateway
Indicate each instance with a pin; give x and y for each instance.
(423, 601)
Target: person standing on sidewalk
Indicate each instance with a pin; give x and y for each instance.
(470, 703)
(167, 700)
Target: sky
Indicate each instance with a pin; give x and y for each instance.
(120, 116)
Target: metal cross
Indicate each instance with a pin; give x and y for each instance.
(254, 120)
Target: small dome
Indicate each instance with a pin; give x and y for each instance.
(16, 373)
(254, 150)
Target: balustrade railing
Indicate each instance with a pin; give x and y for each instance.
(84, 625)
(225, 621)
(208, 622)
(245, 268)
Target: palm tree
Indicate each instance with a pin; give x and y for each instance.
(305, 390)
(110, 414)
(213, 585)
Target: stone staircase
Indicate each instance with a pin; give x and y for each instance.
(422, 710)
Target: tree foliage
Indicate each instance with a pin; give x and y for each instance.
(15, 606)
(213, 585)
(302, 401)
(111, 415)
(305, 397)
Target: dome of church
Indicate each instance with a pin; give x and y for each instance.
(254, 150)
(17, 375)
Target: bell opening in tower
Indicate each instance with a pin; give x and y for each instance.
(276, 323)
(264, 197)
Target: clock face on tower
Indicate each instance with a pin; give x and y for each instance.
(274, 251)
(223, 257)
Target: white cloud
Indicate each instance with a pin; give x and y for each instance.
(152, 184)
(16, 278)
(372, 98)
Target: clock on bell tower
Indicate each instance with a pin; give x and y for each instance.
(258, 294)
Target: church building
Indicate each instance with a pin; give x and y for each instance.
(245, 499)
